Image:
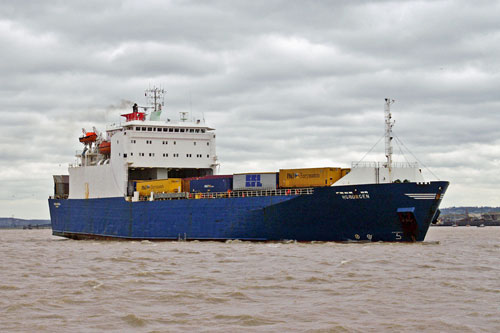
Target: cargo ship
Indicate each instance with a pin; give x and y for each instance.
(152, 179)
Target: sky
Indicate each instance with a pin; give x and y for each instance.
(286, 84)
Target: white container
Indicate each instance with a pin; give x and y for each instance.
(258, 181)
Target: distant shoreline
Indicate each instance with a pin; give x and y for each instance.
(15, 223)
(32, 227)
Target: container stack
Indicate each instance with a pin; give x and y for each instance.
(255, 181)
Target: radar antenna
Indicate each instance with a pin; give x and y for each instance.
(183, 116)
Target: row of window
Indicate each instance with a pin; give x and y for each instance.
(165, 155)
(167, 129)
(149, 142)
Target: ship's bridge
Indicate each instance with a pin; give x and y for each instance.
(174, 149)
(160, 126)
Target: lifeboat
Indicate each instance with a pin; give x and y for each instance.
(89, 137)
(105, 148)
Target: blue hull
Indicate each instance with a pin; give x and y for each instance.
(374, 212)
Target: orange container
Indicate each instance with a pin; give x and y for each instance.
(309, 177)
(171, 185)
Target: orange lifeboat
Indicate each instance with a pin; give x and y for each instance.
(105, 148)
(89, 137)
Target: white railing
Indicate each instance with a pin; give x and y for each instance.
(405, 165)
(411, 165)
(364, 165)
(232, 194)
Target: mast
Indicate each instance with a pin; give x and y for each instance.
(155, 96)
(388, 135)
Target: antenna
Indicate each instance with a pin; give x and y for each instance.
(388, 135)
(183, 116)
(155, 96)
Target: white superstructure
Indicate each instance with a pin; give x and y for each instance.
(142, 149)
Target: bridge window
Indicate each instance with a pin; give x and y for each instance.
(202, 130)
(182, 130)
(170, 129)
(150, 129)
(197, 130)
(137, 128)
(176, 130)
(144, 128)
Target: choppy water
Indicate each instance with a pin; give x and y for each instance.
(450, 282)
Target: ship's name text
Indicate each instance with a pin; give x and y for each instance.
(354, 195)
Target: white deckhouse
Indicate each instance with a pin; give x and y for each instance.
(142, 148)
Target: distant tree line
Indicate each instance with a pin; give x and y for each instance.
(11, 222)
(469, 209)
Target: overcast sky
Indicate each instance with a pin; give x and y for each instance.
(285, 83)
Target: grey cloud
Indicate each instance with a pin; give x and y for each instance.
(286, 83)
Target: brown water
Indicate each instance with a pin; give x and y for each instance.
(450, 282)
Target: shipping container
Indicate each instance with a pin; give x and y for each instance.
(309, 177)
(171, 185)
(185, 184)
(218, 184)
(255, 181)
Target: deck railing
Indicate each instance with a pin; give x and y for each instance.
(383, 165)
(232, 194)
